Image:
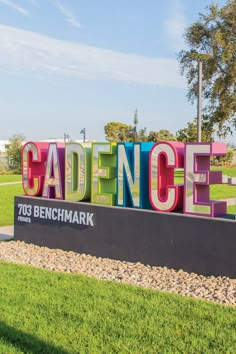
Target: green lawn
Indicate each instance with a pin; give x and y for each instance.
(218, 191)
(227, 171)
(7, 194)
(46, 312)
(10, 178)
(231, 209)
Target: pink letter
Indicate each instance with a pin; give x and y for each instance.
(198, 178)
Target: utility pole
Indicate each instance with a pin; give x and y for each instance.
(200, 58)
(199, 104)
(135, 124)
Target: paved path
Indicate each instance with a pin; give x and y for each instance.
(6, 183)
(230, 201)
(6, 233)
(229, 180)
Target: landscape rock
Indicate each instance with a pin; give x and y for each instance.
(218, 289)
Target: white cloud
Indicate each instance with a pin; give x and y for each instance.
(23, 51)
(175, 25)
(70, 17)
(15, 7)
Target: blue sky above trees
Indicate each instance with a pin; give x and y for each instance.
(66, 65)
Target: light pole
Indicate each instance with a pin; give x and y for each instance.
(199, 103)
(199, 57)
(135, 124)
(83, 132)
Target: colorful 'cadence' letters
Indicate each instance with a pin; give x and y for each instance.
(137, 175)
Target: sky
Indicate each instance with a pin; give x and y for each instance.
(66, 65)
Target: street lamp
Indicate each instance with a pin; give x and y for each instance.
(66, 137)
(83, 132)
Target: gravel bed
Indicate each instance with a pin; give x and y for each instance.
(218, 289)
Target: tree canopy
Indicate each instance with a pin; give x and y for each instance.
(161, 135)
(13, 152)
(189, 133)
(212, 39)
(118, 132)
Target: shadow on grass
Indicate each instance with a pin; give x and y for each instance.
(27, 343)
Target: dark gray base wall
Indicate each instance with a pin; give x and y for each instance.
(202, 245)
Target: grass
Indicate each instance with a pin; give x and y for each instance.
(232, 209)
(47, 312)
(10, 178)
(227, 171)
(7, 193)
(218, 191)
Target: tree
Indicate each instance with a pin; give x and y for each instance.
(231, 146)
(224, 160)
(118, 132)
(161, 135)
(189, 134)
(13, 152)
(213, 36)
(142, 135)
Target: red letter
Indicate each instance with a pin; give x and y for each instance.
(163, 159)
(34, 156)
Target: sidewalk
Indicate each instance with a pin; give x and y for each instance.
(230, 201)
(6, 183)
(6, 233)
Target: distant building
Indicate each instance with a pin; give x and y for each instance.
(59, 140)
(3, 144)
(3, 157)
